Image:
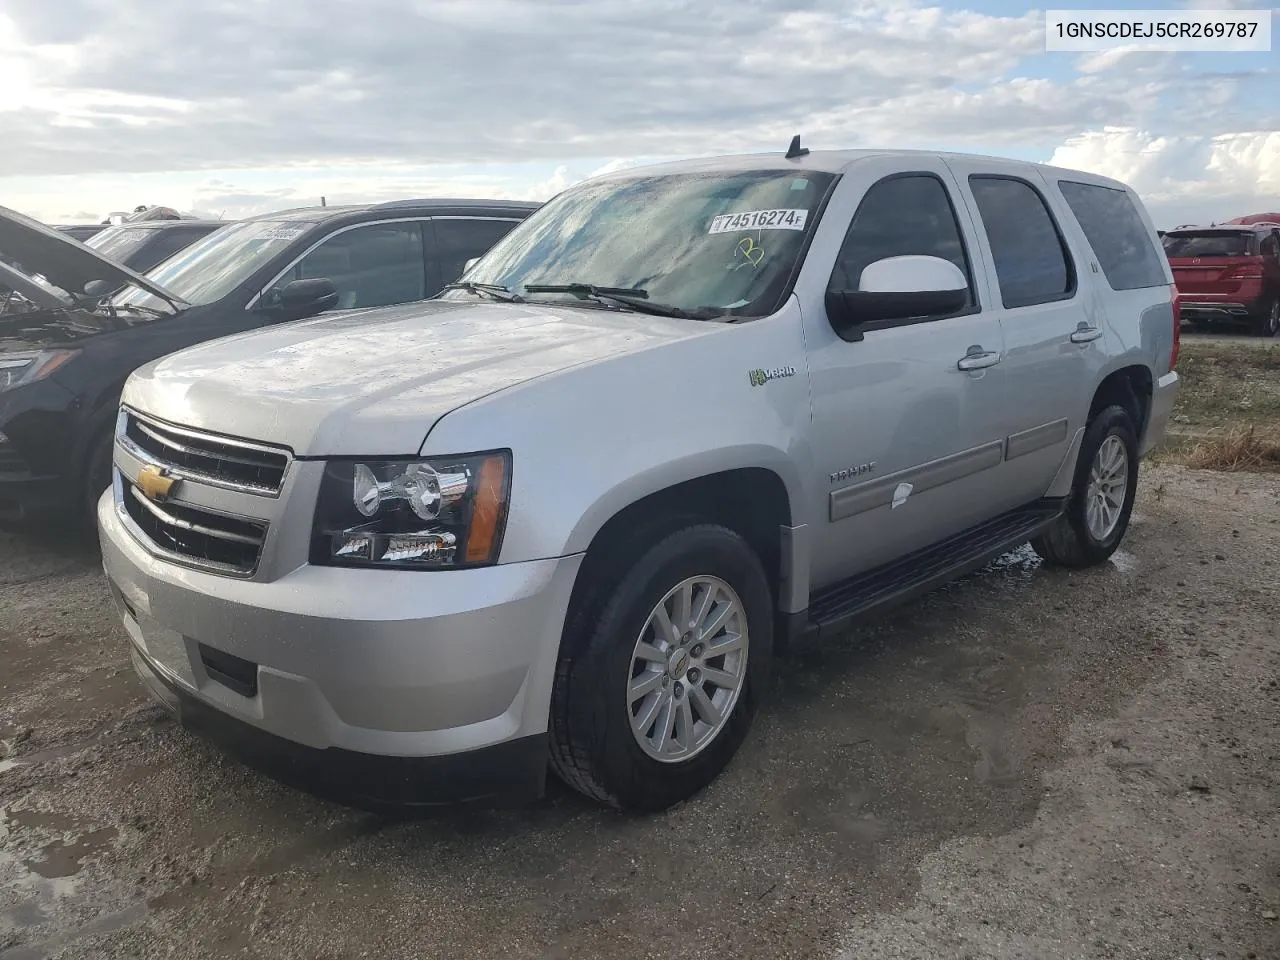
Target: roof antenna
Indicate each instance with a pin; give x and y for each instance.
(795, 150)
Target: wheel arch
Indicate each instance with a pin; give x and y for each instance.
(1129, 386)
(754, 501)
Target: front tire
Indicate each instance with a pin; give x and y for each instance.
(97, 479)
(1101, 500)
(661, 670)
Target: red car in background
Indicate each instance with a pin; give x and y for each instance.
(1228, 274)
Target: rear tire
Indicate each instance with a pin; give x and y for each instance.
(1101, 500)
(630, 696)
(1268, 324)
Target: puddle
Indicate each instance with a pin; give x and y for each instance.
(38, 883)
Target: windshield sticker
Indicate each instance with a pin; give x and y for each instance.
(759, 220)
(279, 233)
(752, 251)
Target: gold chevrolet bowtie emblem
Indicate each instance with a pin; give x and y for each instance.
(155, 482)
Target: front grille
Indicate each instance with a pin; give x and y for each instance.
(217, 461)
(197, 536)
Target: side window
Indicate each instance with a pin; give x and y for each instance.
(371, 266)
(1115, 230)
(1031, 261)
(460, 240)
(901, 216)
(1269, 246)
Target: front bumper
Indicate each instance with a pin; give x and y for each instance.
(340, 662)
(37, 434)
(1163, 394)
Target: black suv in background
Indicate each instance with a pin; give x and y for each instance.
(88, 321)
(140, 246)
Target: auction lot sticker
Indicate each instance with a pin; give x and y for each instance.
(1147, 30)
(759, 220)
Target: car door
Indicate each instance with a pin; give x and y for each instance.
(1052, 323)
(372, 264)
(906, 441)
(459, 239)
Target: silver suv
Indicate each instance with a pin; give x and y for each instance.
(565, 515)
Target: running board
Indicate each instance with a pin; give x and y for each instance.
(833, 608)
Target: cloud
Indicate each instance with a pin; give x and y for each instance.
(252, 84)
(1187, 177)
(377, 99)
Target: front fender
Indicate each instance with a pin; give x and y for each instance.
(663, 476)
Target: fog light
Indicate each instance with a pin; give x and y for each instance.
(403, 547)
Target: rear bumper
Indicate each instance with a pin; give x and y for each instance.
(1198, 307)
(1163, 394)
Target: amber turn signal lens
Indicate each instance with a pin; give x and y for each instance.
(488, 511)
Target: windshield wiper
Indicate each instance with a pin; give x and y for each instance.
(634, 298)
(495, 291)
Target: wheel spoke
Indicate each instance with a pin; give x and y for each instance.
(684, 725)
(719, 678)
(726, 644)
(709, 595)
(664, 626)
(645, 684)
(644, 722)
(650, 654)
(666, 723)
(706, 709)
(725, 611)
(684, 609)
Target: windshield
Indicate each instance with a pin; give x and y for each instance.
(120, 243)
(1213, 243)
(216, 264)
(723, 243)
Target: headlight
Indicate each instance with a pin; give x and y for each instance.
(18, 368)
(445, 512)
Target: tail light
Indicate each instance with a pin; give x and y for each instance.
(1246, 272)
(1177, 328)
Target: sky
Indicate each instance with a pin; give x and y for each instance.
(235, 107)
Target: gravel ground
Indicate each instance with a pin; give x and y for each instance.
(1030, 763)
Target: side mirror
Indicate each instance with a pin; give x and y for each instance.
(897, 288)
(299, 299)
(100, 288)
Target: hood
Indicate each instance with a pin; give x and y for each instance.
(373, 383)
(64, 261)
(42, 296)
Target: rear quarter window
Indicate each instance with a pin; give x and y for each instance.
(1116, 232)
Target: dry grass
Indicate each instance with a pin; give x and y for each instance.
(1228, 412)
(1237, 448)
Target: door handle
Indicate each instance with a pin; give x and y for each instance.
(978, 359)
(1086, 334)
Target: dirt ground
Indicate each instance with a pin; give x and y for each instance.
(1027, 764)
